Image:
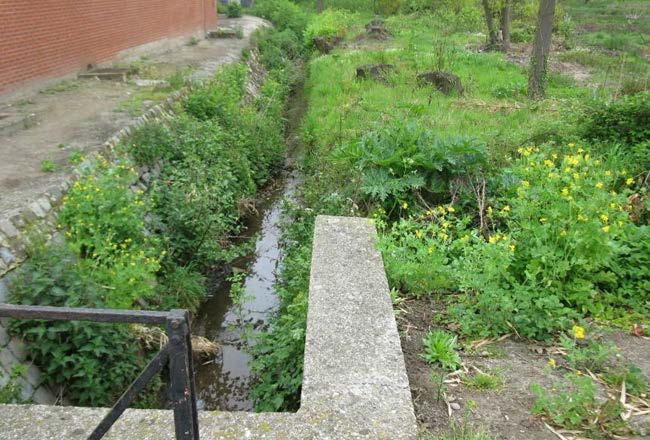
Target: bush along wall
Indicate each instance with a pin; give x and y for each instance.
(122, 244)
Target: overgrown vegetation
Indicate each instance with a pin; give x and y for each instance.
(11, 391)
(124, 245)
(524, 217)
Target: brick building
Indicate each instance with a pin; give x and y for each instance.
(49, 38)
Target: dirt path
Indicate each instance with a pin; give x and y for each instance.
(80, 115)
(520, 54)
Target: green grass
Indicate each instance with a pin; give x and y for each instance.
(611, 38)
(61, 86)
(47, 166)
(462, 431)
(484, 381)
(504, 123)
(134, 105)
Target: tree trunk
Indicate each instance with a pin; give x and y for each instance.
(505, 25)
(320, 5)
(541, 49)
(489, 20)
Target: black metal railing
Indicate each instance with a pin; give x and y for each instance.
(177, 353)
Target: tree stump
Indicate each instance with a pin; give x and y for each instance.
(327, 44)
(378, 72)
(444, 81)
(376, 30)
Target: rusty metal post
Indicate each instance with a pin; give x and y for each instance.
(181, 372)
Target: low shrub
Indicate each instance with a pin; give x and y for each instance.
(234, 10)
(565, 225)
(95, 361)
(552, 250)
(284, 14)
(625, 120)
(329, 23)
(220, 99)
(402, 163)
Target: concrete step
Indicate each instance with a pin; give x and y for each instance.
(106, 74)
(223, 32)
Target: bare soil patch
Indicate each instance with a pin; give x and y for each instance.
(520, 54)
(505, 413)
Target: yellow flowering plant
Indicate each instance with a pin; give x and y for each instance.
(567, 218)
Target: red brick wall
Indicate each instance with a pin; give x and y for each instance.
(48, 38)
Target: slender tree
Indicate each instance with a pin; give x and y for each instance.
(489, 20)
(537, 77)
(319, 5)
(506, 19)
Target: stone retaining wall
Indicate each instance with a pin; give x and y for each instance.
(354, 386)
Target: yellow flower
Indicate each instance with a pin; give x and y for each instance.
(418, 234)
(563, 233)
(506, 208)
(580, 150)
(451, 209)
(604, 218)
(405, 205)
(489, 210)
(599, 185)
(551, 363)
(629, 181)
(565, 191)
(613, 205)
(549, 163)
(571, 145)
(608, 173)
(525, 183)
(582, 218)
(578, 332)
(543, 220)
(493, 239)
(464, 238)
(605, 228)
(512, 247)
(430, 250)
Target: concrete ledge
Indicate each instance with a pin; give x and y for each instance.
(354, 385)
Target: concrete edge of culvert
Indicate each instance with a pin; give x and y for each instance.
(354, 384)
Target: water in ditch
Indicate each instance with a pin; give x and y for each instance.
(223, 382)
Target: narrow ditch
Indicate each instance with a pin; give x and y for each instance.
(223, 382)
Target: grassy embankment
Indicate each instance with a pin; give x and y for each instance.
(526, 217)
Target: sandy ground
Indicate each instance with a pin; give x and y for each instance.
(82, 114)
(505, 413)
